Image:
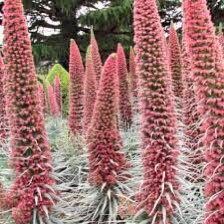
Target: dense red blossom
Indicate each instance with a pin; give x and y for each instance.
(30, 151)
(42, 97)
(89, 90)
(97, 62)
(124, 90)
(158, 195)
(3, 117)
(2, 196)
(76, 89)
(208, 72)
(175, 62)
(133, 74)
(190, 114)
(52, 101)
(57, 90)
(221, 40)
(106, 160)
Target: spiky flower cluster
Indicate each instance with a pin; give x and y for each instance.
(31, 156)
(90, 86)
(208, 71)
(133, 74)
(106, 161)
(124, 91)
(42, 99)
(221, 39)
(57, 91)
(3, 117)
(2, 196)
(158, 195)
(52, 101)
(97, 62)
(190, 115)
(76, 89)
(175, 62)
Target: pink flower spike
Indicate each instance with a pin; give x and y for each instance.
(76, 89)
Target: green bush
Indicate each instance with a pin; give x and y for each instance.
(58, 70)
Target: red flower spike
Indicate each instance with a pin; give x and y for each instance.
(133, 76)
(124, 92)
(30, 151)
(157, 196)
(76, 89)
(221, 37)
(52, 101)
(106, 161)
(3, 117)
(42, 97)
(97, 62)
(2, 196)
(57, 90)
(190, 115)
(208, 73)
(89, 90)
(175, 62)
(221, 41)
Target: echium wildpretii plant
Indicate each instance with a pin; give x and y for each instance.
(107, 162)
(31, 196)
(133, 74)
(3, 117)
(90, 87)
(76, 89)
(190, 116)
(208, 74)
(42, 98)
(125, 106)
(97, 62)
(57, 91)
(52, 102)
(158, 197)
(175, 62)
(221, 37)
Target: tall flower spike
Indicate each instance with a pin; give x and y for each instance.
(31, 156)
(124, 91)
(41, 94)
(221, 37)
(132, 71)
(190, 115)
(208, 72)
(76, 89)
(52, 101)
(175, 62)
(97, 62)
(3, 117)
(159, 144)
(57, 90)
(89, 90)
(106, 161)
(2, 196)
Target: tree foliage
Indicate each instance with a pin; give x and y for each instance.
(52, 23)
